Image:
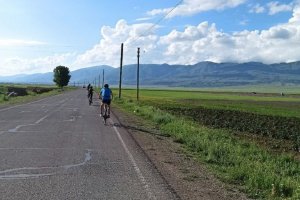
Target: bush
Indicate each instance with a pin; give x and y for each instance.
(39, 90)
(20, 91)
(5, 98)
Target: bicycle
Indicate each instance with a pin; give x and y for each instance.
(90, 99)
(105, 113)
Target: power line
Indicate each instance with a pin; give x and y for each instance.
(158, 21)
(163, 17)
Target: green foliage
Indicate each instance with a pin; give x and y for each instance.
(269, 126)
(263, 103)
(263, 114)
(254, 170)
(25, 93)
(39, 90)
(4, 98)
(61, 76)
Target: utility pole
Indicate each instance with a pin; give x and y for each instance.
(121, 66)
(103, 78)
(99, 81)
(138, 75)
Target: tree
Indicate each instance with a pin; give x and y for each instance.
(61, 76)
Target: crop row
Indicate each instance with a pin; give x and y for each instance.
(268, 126)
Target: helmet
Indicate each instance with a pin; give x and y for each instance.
(106, 85)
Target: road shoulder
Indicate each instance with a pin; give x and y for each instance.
(185, 175)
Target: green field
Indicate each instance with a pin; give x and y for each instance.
(243, 137)
(262, 103)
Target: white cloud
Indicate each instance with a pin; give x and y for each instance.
(204, 42)
(244, 22)
(143, 19)
(277, 44)
(296, 15)
(107, 51)
(275, 7)
(191, 7)
(280, 43)
(257, 8)
(17, 42)
(17, 65)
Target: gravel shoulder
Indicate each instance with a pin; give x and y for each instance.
(186, 176)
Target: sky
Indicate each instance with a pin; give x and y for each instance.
(38, 35)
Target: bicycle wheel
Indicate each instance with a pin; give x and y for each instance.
(105, 114)
(90, 99)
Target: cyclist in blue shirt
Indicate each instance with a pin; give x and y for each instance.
(106, 95)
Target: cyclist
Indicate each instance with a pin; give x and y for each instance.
(90, 94)
(106, 95)
(88, 88)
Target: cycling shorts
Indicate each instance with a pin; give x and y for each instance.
(107, 101)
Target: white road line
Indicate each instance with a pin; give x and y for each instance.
(17, 127)
(20, 105)
(135, 166)
(23, 176)
(20, 173)
(40, 120)
(25, 111)
(22, 125)
(35, 148)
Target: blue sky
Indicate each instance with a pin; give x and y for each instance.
(37, 35)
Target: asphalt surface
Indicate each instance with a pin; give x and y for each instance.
(59, 148)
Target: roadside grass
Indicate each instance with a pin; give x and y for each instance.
(259, 173)
(5, 100)
(277, 119)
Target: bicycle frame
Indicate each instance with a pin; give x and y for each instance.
(90, 99)
(105, 112)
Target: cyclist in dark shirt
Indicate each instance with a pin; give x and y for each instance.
(88, 88)
(90, 93)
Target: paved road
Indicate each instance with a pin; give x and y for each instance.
(58, 148)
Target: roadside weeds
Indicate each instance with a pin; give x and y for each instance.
(236, 162)
(189, 178)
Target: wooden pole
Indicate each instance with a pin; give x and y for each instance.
(103, 78)
(99, 84)
(138, 75)
(121, 66)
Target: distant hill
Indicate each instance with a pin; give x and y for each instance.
(203, 74)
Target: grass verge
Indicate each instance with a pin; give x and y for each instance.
(262, 175)
(4, 100)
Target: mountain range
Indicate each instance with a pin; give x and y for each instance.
(202, 74)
